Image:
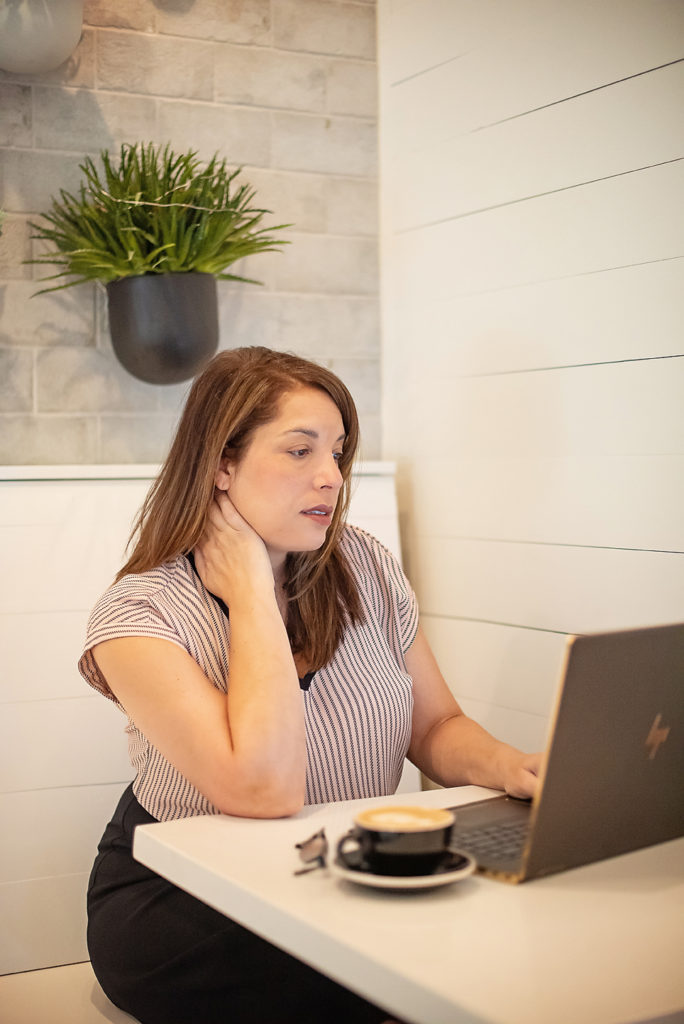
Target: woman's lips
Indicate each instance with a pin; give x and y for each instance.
(320, 514)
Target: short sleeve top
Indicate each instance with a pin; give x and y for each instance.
(357, 708)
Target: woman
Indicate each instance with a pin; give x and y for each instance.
(267, 656)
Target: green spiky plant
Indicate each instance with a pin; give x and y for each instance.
(153, 212)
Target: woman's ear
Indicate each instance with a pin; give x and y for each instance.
(223, 474)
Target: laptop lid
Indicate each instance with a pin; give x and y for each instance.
(613, 776)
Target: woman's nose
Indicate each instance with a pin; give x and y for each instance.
(329, 474)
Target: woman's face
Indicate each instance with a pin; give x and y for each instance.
(287, 483)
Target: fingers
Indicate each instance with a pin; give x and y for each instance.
(524, 787)
(232, 556)
(532, 763)
(224, 520)
(523, 780)
(222, 510)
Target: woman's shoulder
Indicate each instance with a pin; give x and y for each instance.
(382, 584)
(357, 544)
(157, 604)
(355, 540)
(367, 555)
(158, 585)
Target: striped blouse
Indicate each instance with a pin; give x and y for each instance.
(357, 708)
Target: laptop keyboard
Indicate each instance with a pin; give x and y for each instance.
(494, 842)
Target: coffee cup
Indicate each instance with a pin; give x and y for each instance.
(397, 840)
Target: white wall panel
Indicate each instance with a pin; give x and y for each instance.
(630, 501)
(374, 508)
(374, 495)
(503, 665)
(580, 231)
(511, 58)
(29, 675)
(76, 540)
(627, 313)
(576, 142)
(53, 831)
(415, 46)
(567, 589)
(73, 742)
(627, 408)
(526, 732)
(531, 230)
(43, 923)
(24, 500)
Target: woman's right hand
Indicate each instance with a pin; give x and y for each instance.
(231, 557)
(244, 749)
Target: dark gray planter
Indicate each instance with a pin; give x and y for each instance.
(164, 327)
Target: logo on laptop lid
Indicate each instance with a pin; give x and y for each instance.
(656, 736)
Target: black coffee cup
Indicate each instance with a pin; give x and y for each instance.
(398, 841)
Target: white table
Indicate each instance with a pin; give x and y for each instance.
(602, 944)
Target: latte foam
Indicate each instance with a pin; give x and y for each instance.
(404, 819)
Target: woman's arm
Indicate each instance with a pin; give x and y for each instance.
(451, 748)
(244, 750)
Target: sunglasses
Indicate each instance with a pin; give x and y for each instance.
(313, 852)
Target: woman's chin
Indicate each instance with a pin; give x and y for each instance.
(296, 546)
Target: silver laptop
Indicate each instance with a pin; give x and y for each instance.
(612, 779)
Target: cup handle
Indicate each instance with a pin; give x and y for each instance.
(341, 847)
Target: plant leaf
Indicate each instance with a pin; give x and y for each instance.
(151, 210)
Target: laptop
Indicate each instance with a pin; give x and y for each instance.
(612, 778)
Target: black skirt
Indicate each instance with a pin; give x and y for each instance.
(167, 958)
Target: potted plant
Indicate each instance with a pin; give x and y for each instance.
(157, 229)
(36, 36)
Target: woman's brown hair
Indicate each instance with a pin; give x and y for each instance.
(237, 392)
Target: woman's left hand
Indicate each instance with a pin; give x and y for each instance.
(521, 773)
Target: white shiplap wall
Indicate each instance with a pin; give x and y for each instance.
(63, 753)
(532, 183)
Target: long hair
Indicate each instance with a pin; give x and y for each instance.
(237, 392)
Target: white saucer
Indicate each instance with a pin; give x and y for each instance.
(445, 874)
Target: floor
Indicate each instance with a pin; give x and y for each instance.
(58, 995)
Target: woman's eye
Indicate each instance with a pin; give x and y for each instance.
(299, 452)
(337, 456)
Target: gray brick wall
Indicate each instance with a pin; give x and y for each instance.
(285, 88)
